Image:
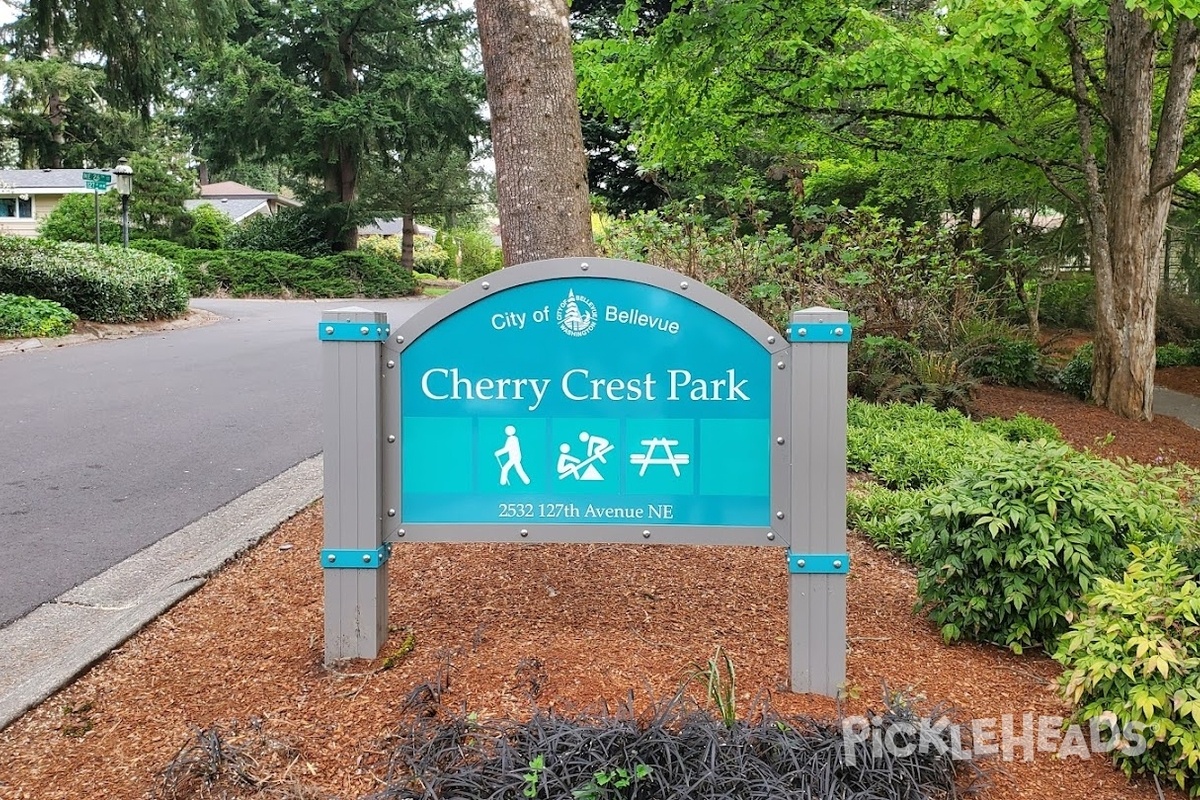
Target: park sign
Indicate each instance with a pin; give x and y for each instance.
(97, 181)
(587, 400)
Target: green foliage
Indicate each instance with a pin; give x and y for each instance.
(1075, 378)
(428, 256)
(911, 447)
(1132, 658)
(1069, 303)
(877, 364)
(616, 779)
(1021, 428)
(477, 253)
(1006, 361)
(1020, 536)
(209, 230)
(896, 279)
(1172, 355)
(889, 518)
(244, 273)
(939, 380)
(105, 284)
(27, 317)
(290, 230)
(720, 685)
(352, 96)
(74, 220)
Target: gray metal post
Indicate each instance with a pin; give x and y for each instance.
(354, 555)
(818, 562)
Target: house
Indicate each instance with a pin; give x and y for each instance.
(27, 196)
(388, 228)
(238, 201)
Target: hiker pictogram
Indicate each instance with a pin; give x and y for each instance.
(512, 449)
(668, 457)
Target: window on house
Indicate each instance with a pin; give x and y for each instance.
(19, 207)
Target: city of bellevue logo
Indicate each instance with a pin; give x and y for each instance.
(577, 315)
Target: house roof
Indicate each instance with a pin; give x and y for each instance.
(232, 189)
(236, 208)
(394, 227)
(44, 181)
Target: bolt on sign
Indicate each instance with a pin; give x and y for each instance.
(587, 401)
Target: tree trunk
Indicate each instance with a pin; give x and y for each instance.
(1127, 224)
(541, 167)
(56, 115)
(408, 231)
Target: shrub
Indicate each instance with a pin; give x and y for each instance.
(1177, 319)
(1068, 303)
(908, 281)
(1133, 658)
(939, 380)
(290, 230)
(1172, 355)
(28, 317)
(1075, 378)
(878, 364)
(245, 273)
(911, 447)
(1006, 361)
(1021, 428)
(209, 230)
(428, 257)
(1017, 539)
(886, 518)
(105, 284)
(74, 220)
(477, 253)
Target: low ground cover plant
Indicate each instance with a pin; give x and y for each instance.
(29, 317)
(1132, 658)
(910, 447)
(673, 750)
(250, 273)
(102, 284)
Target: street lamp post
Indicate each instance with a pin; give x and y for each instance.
(124, 178)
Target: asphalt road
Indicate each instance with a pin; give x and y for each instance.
(108, 446)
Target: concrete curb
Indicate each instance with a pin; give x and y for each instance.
(46, 649)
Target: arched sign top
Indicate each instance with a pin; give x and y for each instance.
(481, 289)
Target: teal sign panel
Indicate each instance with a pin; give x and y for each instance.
(586, 400)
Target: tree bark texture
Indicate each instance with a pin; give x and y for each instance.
(541, 166)
(1127, 211)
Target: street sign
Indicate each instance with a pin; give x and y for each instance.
(97, 181)
(586, 401)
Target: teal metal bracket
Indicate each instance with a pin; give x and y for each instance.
(332, 558)
(818, 563)
(819, 332)
(353, 332)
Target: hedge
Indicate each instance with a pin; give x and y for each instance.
(105, 284)
(253, 273)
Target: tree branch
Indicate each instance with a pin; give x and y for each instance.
(1075, 46)
(1046, 82)
(1174, 112)
(1079, 74)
